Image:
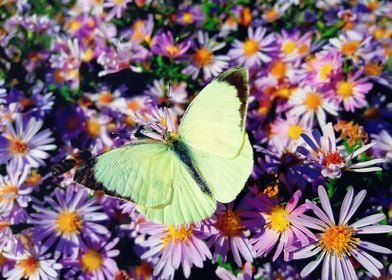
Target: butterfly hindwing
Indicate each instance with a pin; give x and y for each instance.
(140, 172)
(215, 121)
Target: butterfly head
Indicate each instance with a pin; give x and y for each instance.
(170, 137)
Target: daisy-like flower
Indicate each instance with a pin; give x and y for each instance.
(13, 190)
(383, 146)
(258, 48)
(338, 242)
(307, 103)
(351, 92)
(189, 15)
(294, 46)
(245, 274)
(164, 44)
(71, 215)
(288, 130)
(204, 59)
(324, 68)
(95, 260)
(168, 247)
(33, 264)
(226, 231)
(118, 8)
(352, 44)
(24, 143)
(279, 226)
(323, 151)
(3, 93)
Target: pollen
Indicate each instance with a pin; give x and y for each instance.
(91, 260)
(278, 69)
(134, 105)
(93, 128)
(187, 18)
(338, 239)
(354, 133)
(203, 57)
(313, 101)
(289, 47)
(326, 71)
(271, 15)
(229, 223)
(294, 131)
(345, 89)
(69, 222)
(17, 147)
(333, 158)
(8, 193)
(251, 47)
(350, 47)
(177, 235)
(278, 220)
(172, 50)
(29, 266)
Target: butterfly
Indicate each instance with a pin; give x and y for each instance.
(179, 179)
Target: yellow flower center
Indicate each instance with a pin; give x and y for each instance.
(284, 92)
(203, 57)
(105, 98)
(271, 15)
(91, 260)
(118, 2)
(294, 131)
(278, 69)
(34, 178)
(187, 18)
(338, 239)
(93, 128)
(172, 50)
(288, 47)
(88, 55)
(345, 89)
(350, 47)
(74, 25)
(229, 223)
(278, 220)
(69, 222)
(313, 101)
(8, 193)
(29, 266)
(179, 234)
(251, 47)
(17, 147)
(325, 71)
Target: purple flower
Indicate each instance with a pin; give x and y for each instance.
(245, 274)
(168, 247)
(68, 216)
(164, 44)
(337, 242)
(24, 144)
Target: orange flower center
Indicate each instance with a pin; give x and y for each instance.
(345, 89)
(187, 18)
(333, 158)
(338, 239)
(69, 222)
(313, 101)
(8, 193)
(278, 69)
(143, 271)
(29, 266)
(373, 69)
(93, 128)
(251, 47)
(203, 57)
(105, 98)
(91, 260)
(18, 147)
(134, 105)
(229, 223)
(350, 47)
(172, 50)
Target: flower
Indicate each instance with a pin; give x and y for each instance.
(70, 217)
(95, 260)
(13, 189)
(168, 247)
(24, 144)
(338, 242)
(204, 59)
(351, 92)
(322, 150)
(324, 68)
(258, 48)
(246, 273)
(383, 146)
(190, 15)
(118, 7)
(33, 264)
(279, 226)
(226, 231)
(164, 44)
(308, 102)
(294, 46)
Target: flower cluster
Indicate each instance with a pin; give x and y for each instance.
(88, 75)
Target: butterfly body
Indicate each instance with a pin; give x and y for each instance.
(180, 178)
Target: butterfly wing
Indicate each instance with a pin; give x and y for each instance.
(225, 177)
(140, 172)
(215, 121)
(187, 205)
